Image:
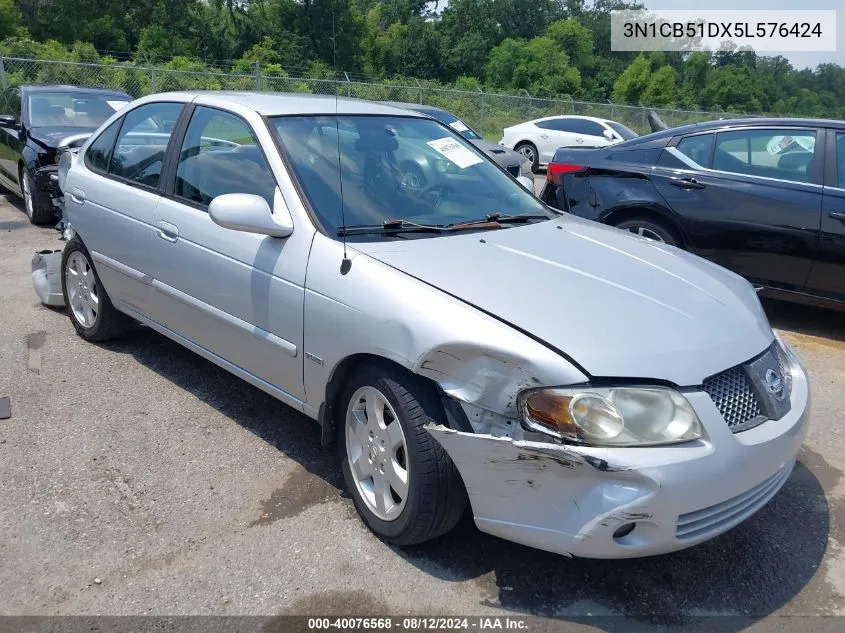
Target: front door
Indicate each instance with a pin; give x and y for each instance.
(750, 199)
(238, 295)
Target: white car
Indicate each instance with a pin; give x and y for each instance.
(538, 140)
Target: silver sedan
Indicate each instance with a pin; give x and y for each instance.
(581, 389)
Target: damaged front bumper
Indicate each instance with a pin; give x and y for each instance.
(628, 502)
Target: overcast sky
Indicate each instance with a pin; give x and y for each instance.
(799, 60)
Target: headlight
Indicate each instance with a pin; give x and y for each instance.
(612, 416)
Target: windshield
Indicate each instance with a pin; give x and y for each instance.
(395, 168)
(72, 109)
(626, 133)
(453, 122)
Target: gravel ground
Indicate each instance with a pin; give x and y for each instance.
(137, 478)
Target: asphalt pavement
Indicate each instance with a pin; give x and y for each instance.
(138, 478)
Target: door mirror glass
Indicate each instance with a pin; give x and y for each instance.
(526, 182)
(7, 120)
(609, 135)
(251, 213)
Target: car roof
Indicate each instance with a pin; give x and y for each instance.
(285, 103)
(569, 116)
(68, 88)
(707, 126)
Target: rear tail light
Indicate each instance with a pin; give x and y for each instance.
(555, 171)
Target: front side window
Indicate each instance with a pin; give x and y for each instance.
(86, 110)
(625, 132)
(366, 170)
(139, 152)
(773, 153)
(220, 155)
(99, 152)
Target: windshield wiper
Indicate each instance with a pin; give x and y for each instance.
(495, 219)
(390, 226)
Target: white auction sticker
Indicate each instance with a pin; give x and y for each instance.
(116, 105)
(455, 152)
(459, 126)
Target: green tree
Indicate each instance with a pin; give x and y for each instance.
(660, 90)
(632, 83)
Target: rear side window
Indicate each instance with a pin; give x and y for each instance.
(697, 148)
(99, 152)
(220, 155)
(559, 125)
(772, 153)
(840, 159)
(139, 152)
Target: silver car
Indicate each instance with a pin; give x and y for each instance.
(581, 389)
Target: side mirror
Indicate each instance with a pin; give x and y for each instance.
(8, 120)
(526, 182)
(251, 213)
(610, 136)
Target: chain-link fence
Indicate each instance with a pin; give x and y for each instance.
(486, 112)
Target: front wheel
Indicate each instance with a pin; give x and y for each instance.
(530, 153)
(404, 485)
(91, 311)
(38, 206)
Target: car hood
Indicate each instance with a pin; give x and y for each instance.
(616, 304)
(497, 152)
(50, 137)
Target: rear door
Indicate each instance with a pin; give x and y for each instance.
(112, 201)
(553, 133)
(748, 198)
(827, 277)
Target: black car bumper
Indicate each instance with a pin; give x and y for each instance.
(47, 183)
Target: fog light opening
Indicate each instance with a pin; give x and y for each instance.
(623, 531)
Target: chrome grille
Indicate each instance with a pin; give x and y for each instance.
(513, 170)
(732, 394)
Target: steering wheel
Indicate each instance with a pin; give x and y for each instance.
(435, 192)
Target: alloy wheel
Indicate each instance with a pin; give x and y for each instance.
(27, 194)
(82, 290)
(377, 453)
(645, 232)
(528, 152)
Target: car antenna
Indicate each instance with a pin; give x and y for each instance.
(345, 263)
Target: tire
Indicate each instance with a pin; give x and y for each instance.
(651, 229)
(529, 151)
(434, 497)
(90, 310)
(38, 207)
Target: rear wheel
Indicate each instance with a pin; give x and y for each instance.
(529, 152)
(91, 311)
(651, 230)
(404, 485)
(38, 207)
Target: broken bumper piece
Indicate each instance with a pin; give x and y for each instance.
(627, 502)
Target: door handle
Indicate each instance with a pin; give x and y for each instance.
(544, 136)
(168, 231)
(77, 195)
(835, 215)
(686, 183)
(579, 140)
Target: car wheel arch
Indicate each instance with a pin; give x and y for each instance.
(340, 374)
(618, 215)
